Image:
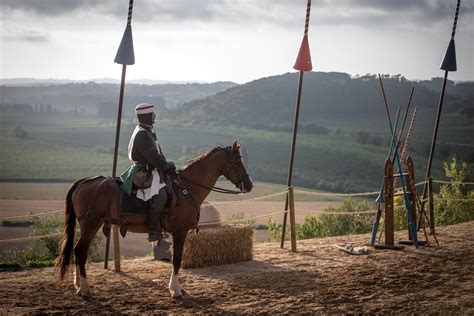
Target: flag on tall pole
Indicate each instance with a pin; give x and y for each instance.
(448, 64)
(125, 56)
(303, 63)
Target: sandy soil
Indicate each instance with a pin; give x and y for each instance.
(318, 278)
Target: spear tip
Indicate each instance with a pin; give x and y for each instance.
(303, 61)
(125, 54)
(449, 59)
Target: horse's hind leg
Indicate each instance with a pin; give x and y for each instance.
(88, 232)
(178, 244)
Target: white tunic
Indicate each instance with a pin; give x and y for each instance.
(156, 184)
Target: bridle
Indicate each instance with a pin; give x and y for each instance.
(226, 172)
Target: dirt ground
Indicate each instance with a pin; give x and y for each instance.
(318, 278)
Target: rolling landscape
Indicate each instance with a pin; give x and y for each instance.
(53, 133)
(341, 146)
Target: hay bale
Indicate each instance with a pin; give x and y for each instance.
(218, 245)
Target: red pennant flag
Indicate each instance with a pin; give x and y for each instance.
(303, 61)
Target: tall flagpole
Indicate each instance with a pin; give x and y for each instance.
(303, 63)
(448, 64)
(124, 56)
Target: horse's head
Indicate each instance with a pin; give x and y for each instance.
(235, 170)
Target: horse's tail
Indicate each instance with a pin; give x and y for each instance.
(64, 258)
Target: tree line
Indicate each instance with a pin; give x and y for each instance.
(26, 108)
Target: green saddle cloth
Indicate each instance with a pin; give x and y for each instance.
(127, 178)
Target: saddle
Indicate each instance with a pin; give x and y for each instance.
(133, 206)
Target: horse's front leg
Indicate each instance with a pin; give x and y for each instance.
(178, 245)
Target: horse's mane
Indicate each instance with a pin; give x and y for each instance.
(208, 153)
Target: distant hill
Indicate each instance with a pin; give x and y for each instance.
(31, 82)
(87, 96)
(269, 103)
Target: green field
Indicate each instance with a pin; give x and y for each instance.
(61, 147)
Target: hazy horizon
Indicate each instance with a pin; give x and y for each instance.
(164, 81)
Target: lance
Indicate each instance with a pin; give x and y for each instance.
(409, 133)
(399, 139)
(303, 63)
(394, 141)
(380, 198)
(448, 64)
(407, 140)
(125, 56)
(411, 222)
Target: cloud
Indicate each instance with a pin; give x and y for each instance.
(47, 7)
(13, 32)
(395, 14)
(274, 12)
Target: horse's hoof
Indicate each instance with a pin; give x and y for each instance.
(86, 294)
(176, 294)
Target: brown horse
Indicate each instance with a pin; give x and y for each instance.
(93, 202)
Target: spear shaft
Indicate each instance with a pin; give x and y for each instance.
(303, 63)
(125, 56)
(448, 64)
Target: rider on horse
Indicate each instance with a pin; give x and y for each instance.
(145, 152)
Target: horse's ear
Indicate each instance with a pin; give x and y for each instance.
(235, 146)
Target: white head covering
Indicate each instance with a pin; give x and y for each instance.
(144, 108)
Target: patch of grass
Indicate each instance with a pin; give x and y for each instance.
(43, 251)
(453, 204)
(327, 224)
(240, 219)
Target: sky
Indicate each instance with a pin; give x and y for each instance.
(239, 40)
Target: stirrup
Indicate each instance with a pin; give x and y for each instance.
(155, 235)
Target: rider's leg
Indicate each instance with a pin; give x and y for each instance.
(158, 203)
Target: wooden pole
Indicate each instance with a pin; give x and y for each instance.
(292, 155)
(114, 168)
(125, 56)
(303, 63)
(448, 64)
(379, 199)
(433, 145)
(410, 168)
(430, 189)
(388, 200)
(291, 200)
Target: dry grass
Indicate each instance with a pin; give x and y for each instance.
(217, 246)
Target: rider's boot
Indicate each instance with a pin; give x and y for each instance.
(156, 210)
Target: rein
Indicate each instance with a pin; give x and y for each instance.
(230, 166)
(214, 188)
